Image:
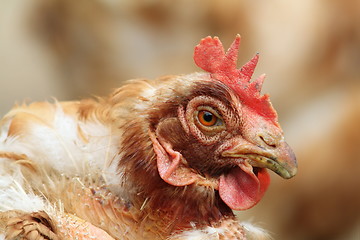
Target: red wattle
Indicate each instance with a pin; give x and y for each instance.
(241, 189)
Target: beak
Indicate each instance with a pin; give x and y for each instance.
(280, 158)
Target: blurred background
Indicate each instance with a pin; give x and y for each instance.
(310, 51)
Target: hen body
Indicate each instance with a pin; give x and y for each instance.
(162, 159)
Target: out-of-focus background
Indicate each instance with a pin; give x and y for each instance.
(310, 51)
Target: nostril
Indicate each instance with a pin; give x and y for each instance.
(267, 141)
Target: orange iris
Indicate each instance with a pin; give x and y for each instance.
(207, 118)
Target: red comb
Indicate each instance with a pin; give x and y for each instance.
(210, 55)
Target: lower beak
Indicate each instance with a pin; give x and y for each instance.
(280, 159)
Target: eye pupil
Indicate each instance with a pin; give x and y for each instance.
(208, 117)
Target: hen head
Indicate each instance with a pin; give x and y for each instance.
(213, 133)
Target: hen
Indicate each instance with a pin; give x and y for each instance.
(163, 159)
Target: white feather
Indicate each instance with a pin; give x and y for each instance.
(13, 194)
(57, 146)
(209, 233)
(254, 232)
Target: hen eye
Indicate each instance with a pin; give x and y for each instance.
(207, 118)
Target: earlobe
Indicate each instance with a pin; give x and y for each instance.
(170, 165)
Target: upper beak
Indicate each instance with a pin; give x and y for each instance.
(280, 159)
